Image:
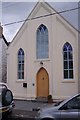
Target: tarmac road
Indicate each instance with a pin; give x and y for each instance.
(25, 110)
(28, 105)
(21, 115)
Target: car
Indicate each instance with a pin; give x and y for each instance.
(67, 110)
(6, 99)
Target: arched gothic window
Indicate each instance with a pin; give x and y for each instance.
(20, 64)
(42, 50)
(68, 61)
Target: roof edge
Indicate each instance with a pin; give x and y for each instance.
(7, 43)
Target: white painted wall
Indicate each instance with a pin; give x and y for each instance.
(59, 33)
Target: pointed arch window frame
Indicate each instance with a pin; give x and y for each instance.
(20, 73)
(68, 61)
(42, 42)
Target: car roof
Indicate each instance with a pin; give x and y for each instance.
(3, 85)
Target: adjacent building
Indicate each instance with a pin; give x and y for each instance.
(3, 57)
(43, 56)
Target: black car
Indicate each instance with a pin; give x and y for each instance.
(6, 100)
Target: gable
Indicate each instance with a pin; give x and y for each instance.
(41, 9)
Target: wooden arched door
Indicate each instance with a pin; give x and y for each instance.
(42, 83)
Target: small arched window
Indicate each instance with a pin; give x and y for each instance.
(68, 61)
(20, 64)
(42, 49)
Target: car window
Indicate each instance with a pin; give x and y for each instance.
(73, 103)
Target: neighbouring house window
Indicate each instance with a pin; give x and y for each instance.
(20, 64)
(42, 45)
(68, 61)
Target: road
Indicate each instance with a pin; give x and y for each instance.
(25, 110)
(20, 115)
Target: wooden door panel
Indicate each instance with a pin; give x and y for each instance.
(42, 83)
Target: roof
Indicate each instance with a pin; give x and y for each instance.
(7, 43)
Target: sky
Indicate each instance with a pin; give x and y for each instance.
(17, 11)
